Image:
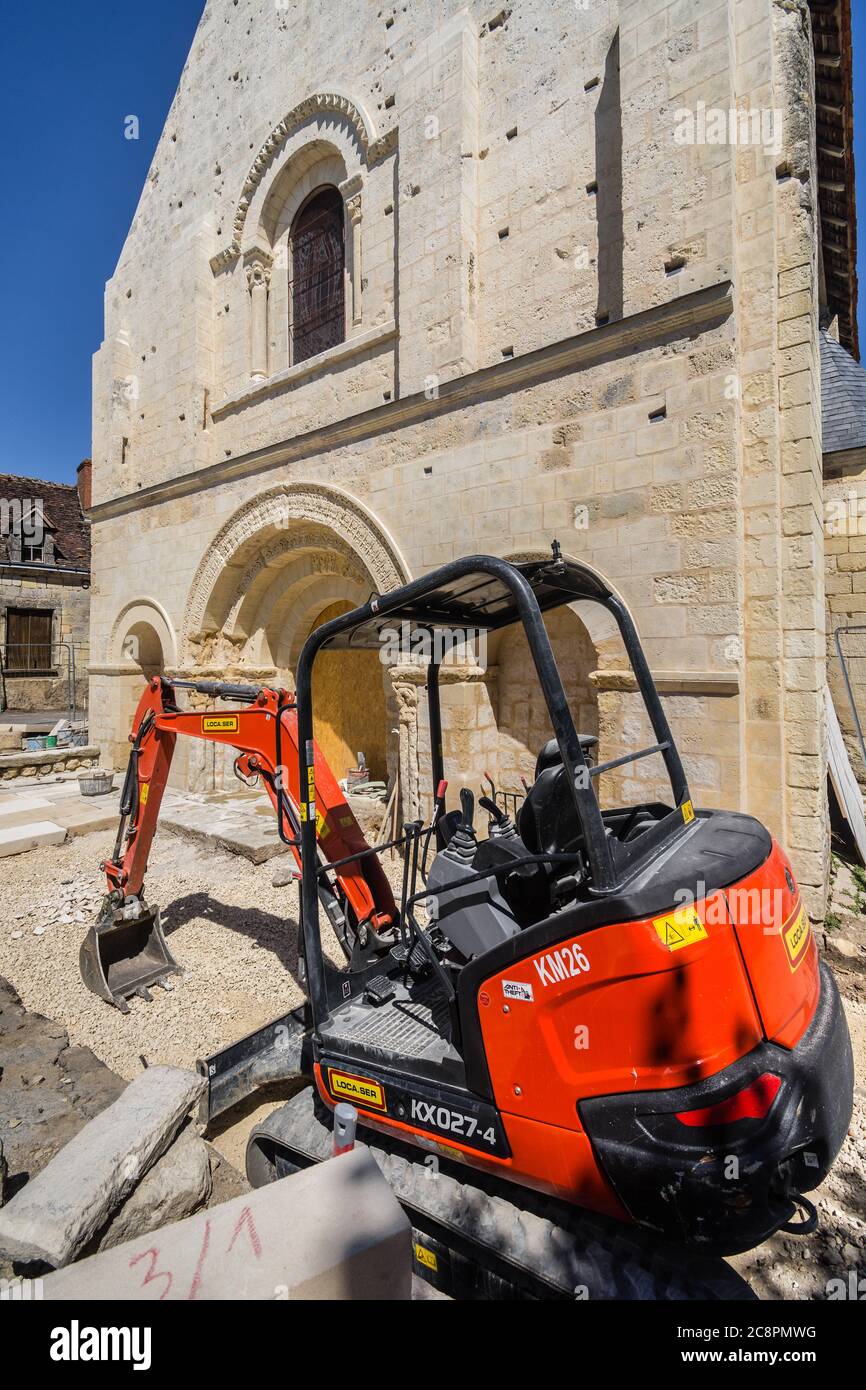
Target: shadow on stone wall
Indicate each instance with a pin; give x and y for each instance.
(608, 173)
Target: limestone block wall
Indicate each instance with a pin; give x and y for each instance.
(503, 177)
(780, 432)
(563, 321)
(70, 606)
(845, 585)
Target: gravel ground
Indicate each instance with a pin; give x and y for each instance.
(232, 932)
(236, 937)
(790, 1267)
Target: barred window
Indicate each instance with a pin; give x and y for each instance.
(28, 639)
(318, 275)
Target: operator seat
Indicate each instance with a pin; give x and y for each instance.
(550, 755)
(548, 822)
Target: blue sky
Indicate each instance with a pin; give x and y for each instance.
(72, 74)
(72, 71)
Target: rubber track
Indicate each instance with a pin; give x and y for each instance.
(525, 1244)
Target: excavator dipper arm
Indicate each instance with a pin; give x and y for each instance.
(125, 952)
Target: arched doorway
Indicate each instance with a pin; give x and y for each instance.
(288, 561)
(143, 656)
(142, 645)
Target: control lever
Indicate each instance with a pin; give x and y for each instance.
(494, 812)
(467, 808)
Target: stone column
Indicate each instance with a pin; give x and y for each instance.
(351, 191)
(258, 273)
(406, 682)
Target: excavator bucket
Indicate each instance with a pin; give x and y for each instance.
(123, 955)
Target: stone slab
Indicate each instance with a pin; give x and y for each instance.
(54, 1216)
(19, 839)
(176, 1186)
(79, 815)
(18, 805)
(20, 820)
(76, 821)
(234, 824)
(32, 721)
(83, 820)
(333, 1231)
(60, 790)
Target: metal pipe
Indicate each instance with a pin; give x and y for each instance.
(435, 717)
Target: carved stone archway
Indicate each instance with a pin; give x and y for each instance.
(142, 612)
(253, 537)
(280, 562)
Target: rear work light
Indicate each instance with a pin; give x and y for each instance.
(753, 1103)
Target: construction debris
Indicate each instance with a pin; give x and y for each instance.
(55, 1215)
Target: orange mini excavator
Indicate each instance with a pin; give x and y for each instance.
(585, 1009)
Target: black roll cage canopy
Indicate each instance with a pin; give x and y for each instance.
(485, 593)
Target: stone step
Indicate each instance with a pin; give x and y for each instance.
(19, 839)
(86, 818)
(21, 805)
(66, 807)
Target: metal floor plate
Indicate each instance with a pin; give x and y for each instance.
(412, 1025)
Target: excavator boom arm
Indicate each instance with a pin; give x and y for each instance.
(264, 733)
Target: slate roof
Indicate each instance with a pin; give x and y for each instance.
(843, 390)
(61, 509)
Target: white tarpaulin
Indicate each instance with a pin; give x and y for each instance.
(842, 779)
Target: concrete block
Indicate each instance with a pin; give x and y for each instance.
(58, 1212)
(18, 839)
(334, 1231)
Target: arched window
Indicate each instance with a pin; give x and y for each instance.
(318, 274)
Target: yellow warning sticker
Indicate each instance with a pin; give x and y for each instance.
(426, 1257)
(144, 793)
(368, 1094)
(688, 811)
(795, 936)
(311, 782)
(681, 928)
(219, 724)
(323, 830)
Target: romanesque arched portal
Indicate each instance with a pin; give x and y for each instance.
(285, 561)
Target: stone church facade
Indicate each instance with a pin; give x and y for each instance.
(416, 281)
